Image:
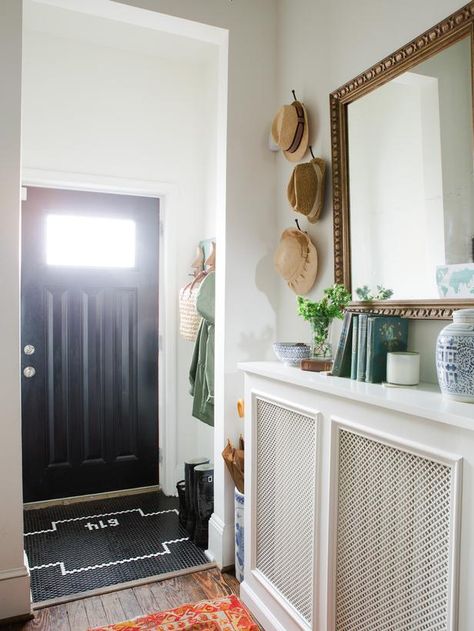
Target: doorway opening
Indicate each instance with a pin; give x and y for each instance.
(105, 107)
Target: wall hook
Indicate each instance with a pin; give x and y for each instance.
(298, 225)
(294, 95)
(311, 151)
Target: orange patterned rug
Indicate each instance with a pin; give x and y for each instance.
(223, 614)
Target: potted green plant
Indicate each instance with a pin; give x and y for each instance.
(320, 316)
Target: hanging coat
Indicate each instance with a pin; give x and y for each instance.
(201, 373)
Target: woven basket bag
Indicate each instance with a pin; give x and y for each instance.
(189, 318)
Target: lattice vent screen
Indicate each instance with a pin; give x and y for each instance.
(286, 487)
(393, 538)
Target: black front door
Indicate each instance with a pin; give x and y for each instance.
(89, 342)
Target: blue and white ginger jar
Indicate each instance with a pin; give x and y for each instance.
(455, 357)
(239, 535)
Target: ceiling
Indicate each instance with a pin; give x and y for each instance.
(109, 33)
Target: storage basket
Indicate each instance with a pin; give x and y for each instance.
(189, 318)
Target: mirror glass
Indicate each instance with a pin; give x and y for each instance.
(411, 186)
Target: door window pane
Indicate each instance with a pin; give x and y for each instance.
(90, 241)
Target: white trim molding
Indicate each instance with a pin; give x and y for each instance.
(221, 542)
(16, 572)
(110, 9)
(15, 598)
(260, 610)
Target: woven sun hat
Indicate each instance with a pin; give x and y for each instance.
(296, 260)
(306, 188)
(290, 130)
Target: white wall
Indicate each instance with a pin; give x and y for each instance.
(14, 579)
(107, 111)
(323, 44)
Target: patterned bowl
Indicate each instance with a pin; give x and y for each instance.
(291, 353)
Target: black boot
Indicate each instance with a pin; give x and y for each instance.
(204, 484)
(190, 494)
(182, 514)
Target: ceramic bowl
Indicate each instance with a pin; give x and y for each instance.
(291, 353)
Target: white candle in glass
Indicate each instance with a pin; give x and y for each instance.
(403, 368)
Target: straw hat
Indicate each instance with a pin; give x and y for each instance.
(290, 130)
(306, 188)
(296, 260)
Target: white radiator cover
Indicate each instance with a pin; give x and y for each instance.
(286, 483)
(395, 536)
(353, 496)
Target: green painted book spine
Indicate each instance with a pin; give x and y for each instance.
(362, 347)
(355, 338)
(370, 350)
(342, 358)
(389, 333)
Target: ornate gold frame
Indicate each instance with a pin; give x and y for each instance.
(453, 28)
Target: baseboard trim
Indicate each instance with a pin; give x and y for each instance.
(261, 612)
(221, 542)
(15, 594)
(16, 619)
(75, 499)
(16, 572)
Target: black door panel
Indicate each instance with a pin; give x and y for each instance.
(90, 412)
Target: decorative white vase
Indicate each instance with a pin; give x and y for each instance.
(455, 357)
(239, 535)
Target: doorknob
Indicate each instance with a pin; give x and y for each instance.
(29, 372)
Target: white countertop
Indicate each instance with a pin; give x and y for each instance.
(424, 400)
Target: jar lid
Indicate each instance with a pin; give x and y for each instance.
(464, 315)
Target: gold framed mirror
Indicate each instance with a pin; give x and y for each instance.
(402, 174)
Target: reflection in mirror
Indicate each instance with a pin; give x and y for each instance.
(411, 188)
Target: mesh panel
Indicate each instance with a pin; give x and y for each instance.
(286, 487)
(393, 538)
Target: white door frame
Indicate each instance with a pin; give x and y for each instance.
(167, 194)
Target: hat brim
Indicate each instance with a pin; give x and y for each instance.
(318, 206)
(302, 148)
(291, 268)
(303, 284)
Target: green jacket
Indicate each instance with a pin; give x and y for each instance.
(201, 373)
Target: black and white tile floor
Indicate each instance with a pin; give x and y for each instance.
(90, 545)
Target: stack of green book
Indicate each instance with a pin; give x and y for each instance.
(364, 343)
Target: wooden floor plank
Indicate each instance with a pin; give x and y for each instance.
(95, 612)
(130, 605)
(112, 607)
(77, 614)
(213, 584)
(40, 622)
(59, 618)
(178, 591)
(146, 599)
(232, 582)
